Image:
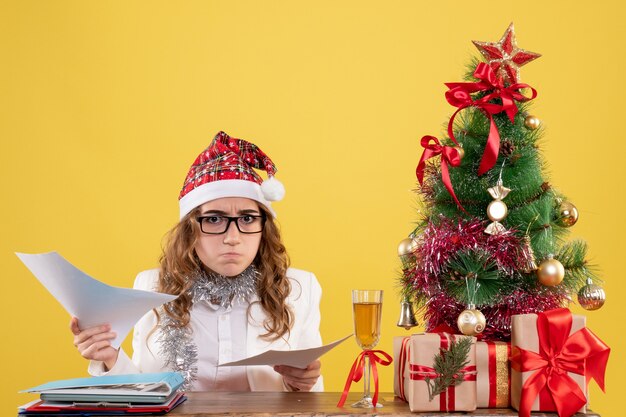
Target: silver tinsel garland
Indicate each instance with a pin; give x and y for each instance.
(220, 290)
(176, 343)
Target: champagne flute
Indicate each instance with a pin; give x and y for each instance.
(367, 308)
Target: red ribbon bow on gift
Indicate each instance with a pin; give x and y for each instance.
(459, 95)
(581, 353)
(357, 372)
(422, 372)
(446, 398)
(449, 155)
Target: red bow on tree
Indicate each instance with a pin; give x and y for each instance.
(459, 95)
(581, 353)
(449, 155)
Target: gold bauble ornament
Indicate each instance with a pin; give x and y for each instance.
(471, 321)
(591, 296)
(497, 210)
(568, 214)
(406, 250)
(407, 246)
(461, 152)
(550, 272)
(532, 122)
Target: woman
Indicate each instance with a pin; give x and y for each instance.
(237, 297)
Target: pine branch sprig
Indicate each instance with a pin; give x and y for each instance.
(448, 365)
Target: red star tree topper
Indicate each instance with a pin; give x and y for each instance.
(504, 57)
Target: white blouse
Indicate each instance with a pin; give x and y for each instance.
(220, 335)
(223, 335)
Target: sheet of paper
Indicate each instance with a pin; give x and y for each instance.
(296, 358)
(92, 301)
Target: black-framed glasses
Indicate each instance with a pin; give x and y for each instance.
(217, 225)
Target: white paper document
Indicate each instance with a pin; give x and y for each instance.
(296, 358)
(90, 300)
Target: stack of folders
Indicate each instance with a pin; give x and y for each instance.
(110, 395)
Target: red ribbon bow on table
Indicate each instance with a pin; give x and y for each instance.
(459, 95)
(581, 353)
(357, 372)
(449, 155)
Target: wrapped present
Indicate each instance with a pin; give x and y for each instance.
(493, 381)
(439, 373)
(400, 366)
(553, 356)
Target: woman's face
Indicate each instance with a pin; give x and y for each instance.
(230, 253)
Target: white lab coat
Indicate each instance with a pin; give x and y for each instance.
(304, 300)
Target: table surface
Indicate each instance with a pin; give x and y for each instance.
(261, 404)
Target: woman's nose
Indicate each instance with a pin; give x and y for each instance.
(232, 234)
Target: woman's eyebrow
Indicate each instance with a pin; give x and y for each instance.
(223, 213)
(250, 211)
(215, 212)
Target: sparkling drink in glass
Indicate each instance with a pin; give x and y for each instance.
(367, 307)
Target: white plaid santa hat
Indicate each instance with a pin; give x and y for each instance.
(225, 169)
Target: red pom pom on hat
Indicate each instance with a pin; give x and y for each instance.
(226, 169)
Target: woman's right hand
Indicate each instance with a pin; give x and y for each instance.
(94, 343)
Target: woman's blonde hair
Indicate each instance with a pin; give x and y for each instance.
(180, 266)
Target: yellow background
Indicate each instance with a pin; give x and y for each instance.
(104, 105)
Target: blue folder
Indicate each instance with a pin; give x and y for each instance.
(133, 388)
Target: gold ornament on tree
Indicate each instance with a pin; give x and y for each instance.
(407, 318)
(532, 122)
(497, 209)
(591, 296)
(460, 151)
(550, 272)
(406, 248)
(471, 321)
(532, 262)
(568, 214)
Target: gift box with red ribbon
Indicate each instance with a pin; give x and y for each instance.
(400, 366)
(415, 374)
(493, 381)
(553, 357)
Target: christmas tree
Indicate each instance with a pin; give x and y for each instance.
(492, 239)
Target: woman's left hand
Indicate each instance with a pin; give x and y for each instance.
(300, 379)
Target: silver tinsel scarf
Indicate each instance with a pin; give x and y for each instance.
(177, 346)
